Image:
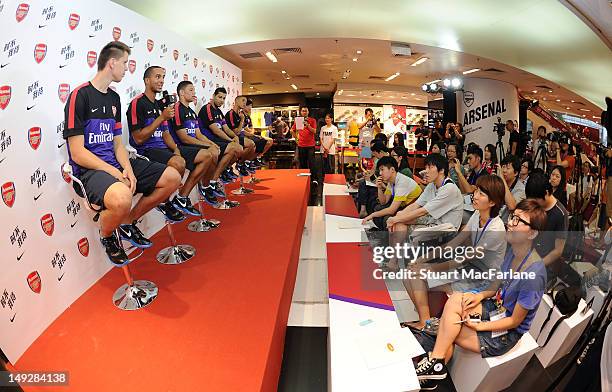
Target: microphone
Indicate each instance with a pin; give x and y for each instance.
(168, 99)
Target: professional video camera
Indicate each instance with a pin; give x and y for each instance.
(499, 127)
(554, 136)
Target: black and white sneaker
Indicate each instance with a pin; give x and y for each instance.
(231, 203)
(184, 205)
(133, 235)
(230, 173)
(208, 194)
(170, 212)
(258, 163)
(251, 168)
(225, 178)
(243, 170)
(114, 251)
(218, 189)
(431, 369)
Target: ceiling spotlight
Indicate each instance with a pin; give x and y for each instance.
(346, 74)
(433, 87)
(359, 52)
(471, 71)
(420, 61)
(550, 91)
(293, 86)
(446, 82)
(456, 82)
(413, 94)
(424, 87)
(395, 75)
(543, 98)
(318, 94)
(355, 59)
(567, 108)
(572, 101)
(283, 71)
(535, 91)
(585, 110)
(271, 57)
(251, 87)
(558, 100)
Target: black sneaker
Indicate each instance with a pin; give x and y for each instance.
(170, 212)
(431, 369)
(225, 178)
(242, 169)
(218, 189)
(208, 194)
(231, 174)
(260, 162)
(114, 251)
(133, 235)
(250, 167)
(232, 203)
(184, 205)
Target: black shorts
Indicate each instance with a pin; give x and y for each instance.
(97, 182)
(490, 346)
(260, 143)
(221, 143)
(163, 155)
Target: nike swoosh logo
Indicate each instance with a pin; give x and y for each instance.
(62, 66)
(72, 225)
(30, 107)
(13, 319)
(2, 160)
(61, 145)
(91, 35)
(41, 26)
(37, 197)
(93, 110)
(161, 56)
(127, 234)
(20, 256)
(4, 65)
(60, 278)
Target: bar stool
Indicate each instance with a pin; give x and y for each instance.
(135, 294)
(175, 254)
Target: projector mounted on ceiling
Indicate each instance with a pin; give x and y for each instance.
(400, 50)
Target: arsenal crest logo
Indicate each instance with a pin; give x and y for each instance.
(468, 98)
(217, 69)
(22, 12)
(150, 45)
(116, 33)
(63, 91)
(195, 62)
(203, 83)
(73, 21)
(5, 96)
(8, 194)
(47, 224)
(34, 137)
(232, 78)
(40, 51)
(34, 282)
(222, 74)
(65, 175)
(132, 66)
(92, 57)
(210, 68)
(175, 53)
(84, 246)
(185, 77)
(114, 109)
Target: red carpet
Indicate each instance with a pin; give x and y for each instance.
(218, 323)
(338, 179)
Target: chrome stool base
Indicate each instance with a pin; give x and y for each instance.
(202, 225)
(177, 254)
(140, 294)
(224, 205)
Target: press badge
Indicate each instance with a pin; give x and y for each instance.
(497, 315)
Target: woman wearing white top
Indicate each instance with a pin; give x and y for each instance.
(328, 136)
(484, 229)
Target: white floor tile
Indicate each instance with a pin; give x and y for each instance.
(308, 315)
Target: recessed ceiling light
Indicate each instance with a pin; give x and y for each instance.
(572, 101)
(558, 100)
(550, 91)
(404, 97)
(251, 87)
(286, 91)
(567, 108)
(391, 96)
(350, 95)
(359, 52)
(318, 94)
(471, 71)
(585, 110)
(413, 94)
(271, 57)
(535, 91)
(354, 58)
(584, 115)
(420, 61)
(293, 86)
(596, 117)
(418, 99)
(544, 99)
(395, 75)
(283, 71)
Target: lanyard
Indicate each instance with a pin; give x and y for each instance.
(478, 238)
(504, 286)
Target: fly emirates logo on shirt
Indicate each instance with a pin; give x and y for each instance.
(104, 134)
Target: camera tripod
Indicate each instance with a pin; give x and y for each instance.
(541, 154)
(499, 148)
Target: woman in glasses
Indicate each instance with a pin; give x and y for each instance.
(484, 229)
(504, 311)
(526, 168)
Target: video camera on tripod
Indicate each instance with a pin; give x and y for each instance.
(499, 127)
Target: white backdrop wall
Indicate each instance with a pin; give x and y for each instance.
(50, 252)
(479, 106)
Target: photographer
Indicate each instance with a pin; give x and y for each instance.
(560, 153)
(371, 122)
(514, 148)
(421, 134)
(454, 134)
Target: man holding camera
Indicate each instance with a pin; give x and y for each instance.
(150, 136)
(370, 122)
(559, 153)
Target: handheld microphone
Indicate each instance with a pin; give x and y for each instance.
(168, 99)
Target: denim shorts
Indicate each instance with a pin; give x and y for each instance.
(493, 347)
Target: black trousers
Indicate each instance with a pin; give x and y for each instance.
(306, 157)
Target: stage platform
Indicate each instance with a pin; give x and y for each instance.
(219, 321)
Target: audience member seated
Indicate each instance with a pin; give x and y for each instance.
(395, 192)
(515, 189)
(490, 159)
(400, 154)
(505, 313)
(526, 169)
(486, 229)
(468, 185)
(551, 241)
(436, 148)
(398, 139)
(366, 194)
(454, 152)
(440, 202)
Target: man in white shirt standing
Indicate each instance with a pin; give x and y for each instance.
(328, 135)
